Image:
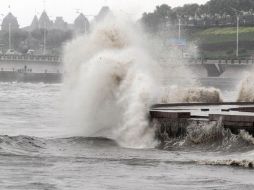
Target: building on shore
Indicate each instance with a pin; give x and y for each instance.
(81, 24)
(60, 24)
(44, 21)
(105, 11)
(35, 23)
(10, 21)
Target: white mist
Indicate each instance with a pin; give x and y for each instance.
(110, 84)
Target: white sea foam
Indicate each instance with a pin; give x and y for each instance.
(110, 84)
(191, 95)
(246, 90)
(112, 78)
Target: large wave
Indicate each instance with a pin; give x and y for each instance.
(112, 79)
(246, 91)
(110, 84)
(191, 95)
(210, 136)
(224, 147)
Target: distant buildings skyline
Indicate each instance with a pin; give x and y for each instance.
(9, 19)
(81, 23)
(25, 10)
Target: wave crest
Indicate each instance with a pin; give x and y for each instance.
(191, 95)
(246, 92)
(211, 136)
(110, 85)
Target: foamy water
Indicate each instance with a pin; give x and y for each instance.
(246, 90)
(113, 77)
(93, 131)
(110, 84)
(36, 153)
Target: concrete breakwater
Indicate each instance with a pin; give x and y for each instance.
(30, 68)
(8, 76)
(172, 120)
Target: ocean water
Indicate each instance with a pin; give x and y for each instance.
(36, 153)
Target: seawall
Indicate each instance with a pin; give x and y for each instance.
(172, 120)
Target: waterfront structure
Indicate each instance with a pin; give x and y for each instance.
(60, 24)
(44, 21)
(81, 24)
(10, 21)
(103, 13)
(35, 23)
(30, 68)
(172, 120)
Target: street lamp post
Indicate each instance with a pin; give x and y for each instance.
(179, 29)
(9, 35)
(237, 29)
(237, 36)
(44, 39)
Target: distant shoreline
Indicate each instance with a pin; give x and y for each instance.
(8, 76)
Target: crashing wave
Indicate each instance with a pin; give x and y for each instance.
(191, 95)
(110, 84)
(211, 136)
(246, 93)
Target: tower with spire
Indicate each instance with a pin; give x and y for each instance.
(8, 21)
(105, 11)
(81, 24)
(60, 24)
(44, 21)
(35, 23)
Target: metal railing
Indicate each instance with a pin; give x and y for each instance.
(38, 58)
(223, 61)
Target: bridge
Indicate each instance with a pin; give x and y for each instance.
(216, 68)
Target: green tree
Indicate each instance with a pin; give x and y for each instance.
(162, 15)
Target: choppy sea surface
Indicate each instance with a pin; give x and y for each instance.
(35, 154)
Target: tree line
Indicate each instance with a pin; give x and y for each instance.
(213, 13)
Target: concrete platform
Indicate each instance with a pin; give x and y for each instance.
(175, 118)
(9, 76)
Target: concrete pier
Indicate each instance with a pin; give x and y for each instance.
(31, 68)
(173, 119)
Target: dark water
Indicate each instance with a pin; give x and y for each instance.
(36, 153)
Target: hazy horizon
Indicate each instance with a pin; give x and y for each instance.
(69, 11)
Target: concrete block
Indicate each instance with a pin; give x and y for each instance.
(231, 118)
(169, 115)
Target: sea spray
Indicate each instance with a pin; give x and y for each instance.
(212, 136)
(110, 84)
(175, 94)
(112, 79)
(246, 90)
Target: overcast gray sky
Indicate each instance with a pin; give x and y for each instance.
(24, 10)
